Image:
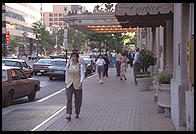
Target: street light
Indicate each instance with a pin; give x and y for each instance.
(37, 38)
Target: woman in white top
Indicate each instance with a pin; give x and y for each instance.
(100, 67)
(73, 84)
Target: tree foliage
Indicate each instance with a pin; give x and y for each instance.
(14, 44)
(44, 38)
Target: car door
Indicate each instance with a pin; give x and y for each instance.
(24, 85)
(16, 83)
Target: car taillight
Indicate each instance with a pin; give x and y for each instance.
(50, 70)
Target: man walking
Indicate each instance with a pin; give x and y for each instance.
(118, 63)
(136, 65)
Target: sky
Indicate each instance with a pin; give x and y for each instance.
(47, 7)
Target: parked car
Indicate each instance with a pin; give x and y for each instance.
(19, 63)
(15, 84)
(90, 65)
(57, 68)
(41, 66)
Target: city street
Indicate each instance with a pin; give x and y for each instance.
(114, 106)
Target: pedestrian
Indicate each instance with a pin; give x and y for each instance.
(136, 65)
(73, 83)
(106, 65)
(100, 67)
(123, 60)
(118, 63)
(130, 57)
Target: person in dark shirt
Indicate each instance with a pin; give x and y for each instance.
(106, 65)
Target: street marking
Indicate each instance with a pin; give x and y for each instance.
(92, 76)
(48, 119)
(51, 95)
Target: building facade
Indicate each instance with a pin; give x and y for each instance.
(54, 19)
(17, 18)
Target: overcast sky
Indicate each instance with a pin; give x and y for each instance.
(47, 7)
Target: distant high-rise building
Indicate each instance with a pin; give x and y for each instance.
(54, 19)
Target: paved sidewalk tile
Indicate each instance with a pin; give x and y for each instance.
(115, 105)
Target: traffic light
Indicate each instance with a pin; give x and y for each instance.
(7, 37)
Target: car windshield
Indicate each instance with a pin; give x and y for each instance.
(44, 61)
(11, 63)
(58, 63)
(87, 61)
(4, 75)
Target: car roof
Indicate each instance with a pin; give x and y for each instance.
(20, 60)
(59, 59)
(45, 59)
(9, 67)
(86, 59)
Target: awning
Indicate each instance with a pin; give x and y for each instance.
(143, 14)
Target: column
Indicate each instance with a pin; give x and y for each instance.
(168, 31)
(138, 37)
(158, 46)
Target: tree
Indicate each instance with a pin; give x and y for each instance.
(45, 40)
(111, 41)
(14, 44)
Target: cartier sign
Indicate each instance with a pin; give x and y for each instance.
(143, 8)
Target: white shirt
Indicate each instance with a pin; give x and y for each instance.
(136, 57)
(74, 67)
(118, 57)
(100, 62)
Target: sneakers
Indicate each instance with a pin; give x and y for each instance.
(100, 81)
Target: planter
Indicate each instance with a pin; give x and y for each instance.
(164, 99)
(144, 83)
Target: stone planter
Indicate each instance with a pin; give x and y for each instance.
(144, 83)
(164, 99)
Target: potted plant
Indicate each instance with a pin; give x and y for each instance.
(164, 99)
(146, 59)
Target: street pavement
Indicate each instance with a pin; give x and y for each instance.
(114, 105)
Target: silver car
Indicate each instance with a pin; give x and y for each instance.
(57, 68)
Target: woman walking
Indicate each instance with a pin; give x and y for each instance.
(123, 60)
(73, 83)
(100, 67)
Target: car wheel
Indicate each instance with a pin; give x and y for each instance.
(50, 78)
(7, 99)
(33, 94)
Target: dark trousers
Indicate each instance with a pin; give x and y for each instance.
(118, 67)
(78, 99)
(136, 69)
(106, 70)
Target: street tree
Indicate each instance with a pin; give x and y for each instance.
(45, 40)
(15, 42)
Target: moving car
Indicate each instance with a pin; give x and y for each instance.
(57, 68)
(18, 63)
(15, 84)
(90, 65)
(41, 66)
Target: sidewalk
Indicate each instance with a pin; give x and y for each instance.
(114, 106)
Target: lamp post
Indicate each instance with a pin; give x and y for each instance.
(37, 38)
